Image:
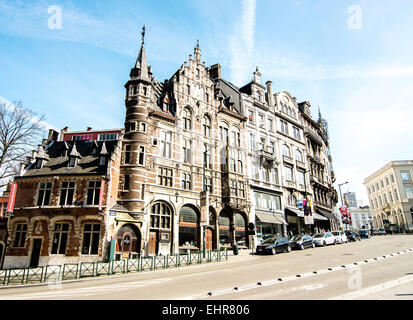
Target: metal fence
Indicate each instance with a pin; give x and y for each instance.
(73, 271)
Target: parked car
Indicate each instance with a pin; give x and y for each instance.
(340, 236)
(382, 231)
(302, 241)
(364, 234)
(274, 246)
(376, 232)
(323, 239)
(352, 235)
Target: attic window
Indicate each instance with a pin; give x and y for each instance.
(38, 164)
(72, 162)
(102, 160)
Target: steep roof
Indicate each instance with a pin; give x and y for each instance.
(88, 164)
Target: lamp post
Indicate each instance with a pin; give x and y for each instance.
(341, 196)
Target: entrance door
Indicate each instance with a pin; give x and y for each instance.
(152, 243)
(37, 245)
(209, 236)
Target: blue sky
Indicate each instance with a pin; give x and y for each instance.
(362, 79)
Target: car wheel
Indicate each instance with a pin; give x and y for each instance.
(324, 244)
(302, 247)
(288, 249)
(273, 251)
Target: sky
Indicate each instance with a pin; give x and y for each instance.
(69, 61)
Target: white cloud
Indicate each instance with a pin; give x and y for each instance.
(43, 123)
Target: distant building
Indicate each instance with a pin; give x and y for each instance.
(390, 192)
(361, 218)
(350, 200)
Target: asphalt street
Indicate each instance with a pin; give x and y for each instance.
(370, 269)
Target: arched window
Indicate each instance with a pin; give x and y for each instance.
(187, 119)
(161, 215)
(224, 228)
(188, 227)
(207, 125)
(240, 230)
(298, 155)
(286, 151)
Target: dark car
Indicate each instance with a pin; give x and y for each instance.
(364, 234)
(274, 246)
(302, 242)
(352, 235)
(376, 232)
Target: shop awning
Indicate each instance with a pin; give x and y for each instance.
(282, 220)
(269, 218)
(297, 212)
(317, 216)
(326, 214)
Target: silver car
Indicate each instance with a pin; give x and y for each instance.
(323, 239)
(340, 236)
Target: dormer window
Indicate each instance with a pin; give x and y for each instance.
(38, 164)
(102, 160)
(72, 162)
(165, 107)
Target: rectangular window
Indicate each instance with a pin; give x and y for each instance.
(142, 192)
(252, 142)
(186, 181)
(127, 155)
(392, 178)
(108, 136)
(270, 125)
(91, 234)
(241, 191)
(208, 184)
(396, 195)
(405, 175)
(93, 192)
(206, 97)
(141, 156)
(300, 177)
(271, 147)
(250, 117)
(21, 232)
(61, 232)
(288, 173)
(45, 190)
(274, 174)
(166, 143)
(409, 192)
(126, 182)
(66, 193)
(284, 127)
(187, 151)
(296, 133)
(165, 177)
(261, 121)
(188, 89)
(233, 188)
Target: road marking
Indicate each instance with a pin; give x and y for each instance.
(373, 289)
(291, 278)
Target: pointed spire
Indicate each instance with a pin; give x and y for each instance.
(197, 52)
(41, 154)
(103, 151)
(141, 70)
(74, 153)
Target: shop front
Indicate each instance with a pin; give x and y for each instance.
(269, 225)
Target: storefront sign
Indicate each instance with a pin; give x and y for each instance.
(12, 198)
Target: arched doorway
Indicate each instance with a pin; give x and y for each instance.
(189, 227)
(128, 241)
(210, 231)
(225, 232)
(241, 238)
(160, 228)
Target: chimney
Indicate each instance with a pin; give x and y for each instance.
(270, 96)
(89, 129)
(62, 132)
(215, 71)
(53, 135)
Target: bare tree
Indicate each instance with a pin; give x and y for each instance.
(20, 132)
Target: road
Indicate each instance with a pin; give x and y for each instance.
(320, 273)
